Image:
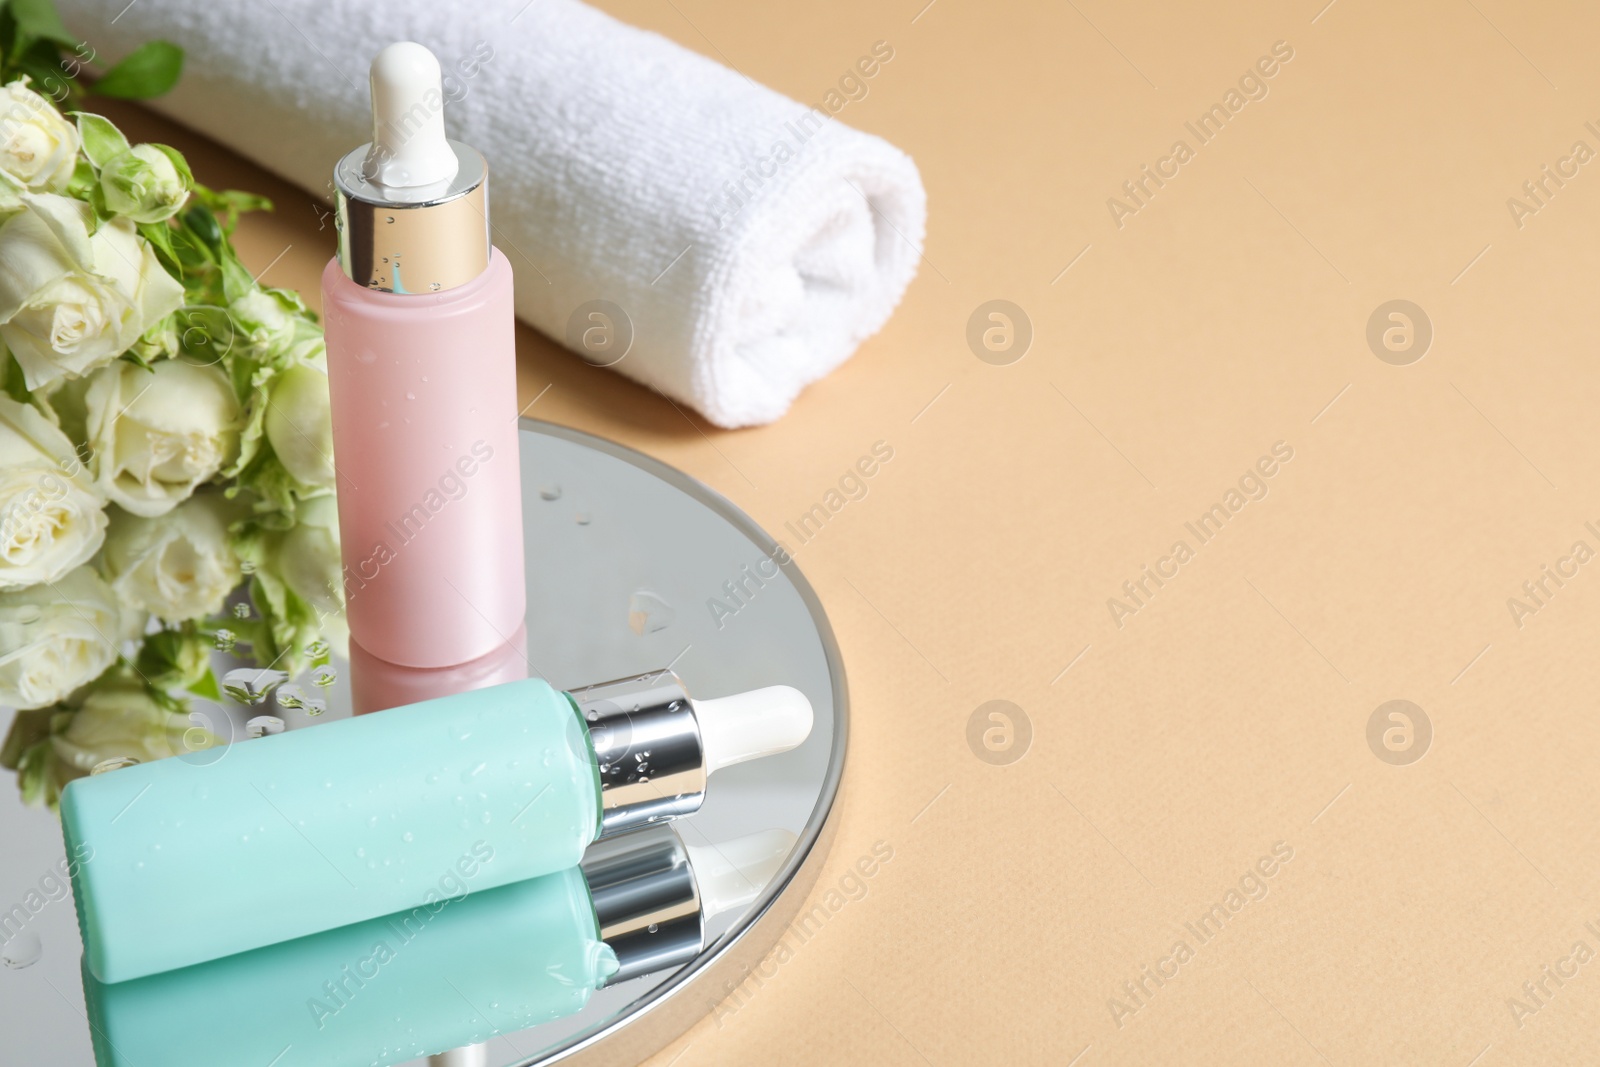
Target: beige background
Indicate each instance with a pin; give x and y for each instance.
(1230, 713)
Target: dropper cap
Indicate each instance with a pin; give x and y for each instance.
(655, 746)
(411, 206)
(653, 894)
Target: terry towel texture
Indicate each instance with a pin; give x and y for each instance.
(752, 243)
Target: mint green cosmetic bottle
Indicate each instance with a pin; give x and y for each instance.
(456, 972)
(204, 855)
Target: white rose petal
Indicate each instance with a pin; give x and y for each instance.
(298, 424)
(38, 147)
(58, 636)
(51, 520)
(156, 434)
(176, 566)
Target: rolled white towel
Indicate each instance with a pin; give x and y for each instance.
(752, 243)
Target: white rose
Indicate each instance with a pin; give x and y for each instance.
(143, 184)
(263, 323)
(71, 302)
(38, 147)
(298, 424)
(58, 636)
(158, 433)
(51, 520)
(176, 566)
(118, 719)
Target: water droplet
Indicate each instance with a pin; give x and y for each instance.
(114, 764)
(649, 613)
(652, 928)
(324, 676)
(21, 951)
(251, 685)
(411, 395)
(592, 715)
(224, 640)
(486, 818)
(372, 820)
(241, 610)
(290, 695)
(550, 492)
(361, 853)
(407, 837)
(247, 566)
(318, 649)
(583, 518)
(263, 725)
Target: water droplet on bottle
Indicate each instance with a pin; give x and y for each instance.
(550, 492)
(324, 676)
(21, 951)
(251, 685)
(361, 853)
(410, 395)
(649, 613)
(652, 928)
(583, 518)
(407, 837)
(290, 695)
(241, 610)
(318, 649)
(224, 640)
(114, 764)
(247, 566)
(592, 715)
(263, 725)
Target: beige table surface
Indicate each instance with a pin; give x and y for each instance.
(1227, 717)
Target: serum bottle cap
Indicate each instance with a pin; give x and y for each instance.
(412, 206)
(653, 894)
(655, 745)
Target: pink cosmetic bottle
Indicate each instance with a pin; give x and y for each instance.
(418, 315)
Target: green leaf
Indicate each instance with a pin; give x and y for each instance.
(102, 141)
(159, 234)
(236, 281)
(206, 688)
(149, 70)
(38, 19)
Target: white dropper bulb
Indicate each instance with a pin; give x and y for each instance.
(408, 142)
(746, 726)
(734, 873)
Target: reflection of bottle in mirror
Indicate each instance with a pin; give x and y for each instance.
(458, 970)
(307, 830)
(422, 372)
(376, 684)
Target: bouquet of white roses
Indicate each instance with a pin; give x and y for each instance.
(164, 441)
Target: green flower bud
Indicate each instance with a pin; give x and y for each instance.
(143, 184)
